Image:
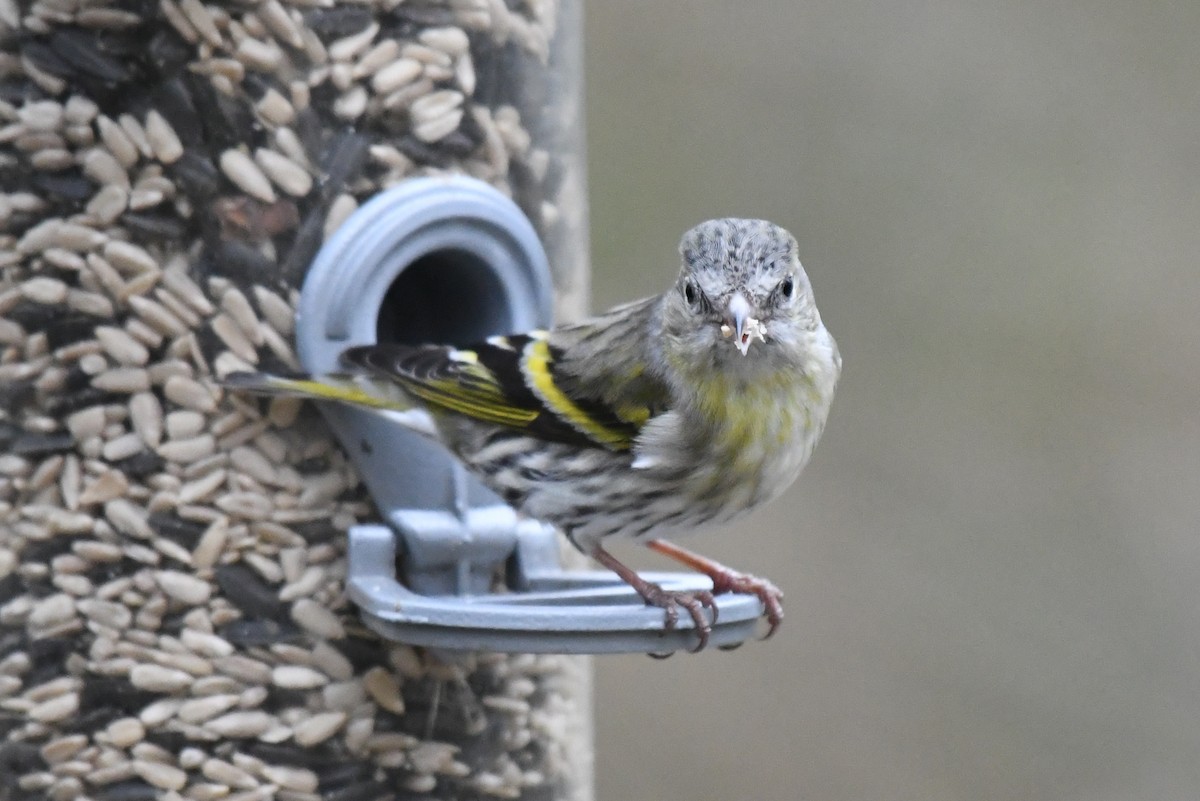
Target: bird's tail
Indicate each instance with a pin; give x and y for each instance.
(347, 389)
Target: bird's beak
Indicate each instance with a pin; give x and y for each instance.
(738, 320)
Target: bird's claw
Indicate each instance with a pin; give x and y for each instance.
(767, 593)
(694, 602)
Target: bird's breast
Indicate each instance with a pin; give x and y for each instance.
(752, 438)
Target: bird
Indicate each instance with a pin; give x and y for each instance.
(652, 420)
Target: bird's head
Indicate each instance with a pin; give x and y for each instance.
(742, 297)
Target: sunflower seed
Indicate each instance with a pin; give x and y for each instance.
(41, 115)
(145, 413)
(102, 167)
(137, 135)
(56, 709)
(11, 332)
(186, 451)
(242, 435)
(164, 142)
(162, 776)
(183, 587)
(275, 309)
(251, 462)
(152, 678)
(298, 677)
(122, 379)
(201, 709)
(107, 613)
(51, 611)
(317, 619)
(176, 280)
(97, 552)
(247, 723)
(279, 21)
(341, 208)
(178, 308)
(227, 774)
(123, 348)
(60, 749)
(352, 104)
(464, 74)
(211, 544)
(349, 47)
(232, 335)
(433, 757)
(176, 18)
(159, 679)
(205, 644)
(117, 141)
(318, 728)
(246, 505)
(258, 54)
(58, 233)
(156, 316)
(245, 174)
(138, 285)
(128, 519)
(119, 449)
(449, 40)
(161, 371)
(429, 56)
(49, 291)
(52, 159)
(189, 393)
(184, 423)
(287, 174)
(202, 488)
(381, 685)
(125, 732)
(111, 484)
(400, 72)
(437, 114)
(225, 72)
(201, 20)
(108, 203)
(79, 110)
(275, 108)
(105, 275)
(376, 58)
(283, 412)
(109, 18)
(298, 779)
(129, 258)
(288, 143)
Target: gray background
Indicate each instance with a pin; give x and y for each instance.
(991, 566)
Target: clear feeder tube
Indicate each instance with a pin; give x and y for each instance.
(172, 622)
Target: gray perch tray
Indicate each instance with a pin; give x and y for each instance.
(549, 610)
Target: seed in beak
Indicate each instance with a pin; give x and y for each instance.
(751, 330)
(726, 331)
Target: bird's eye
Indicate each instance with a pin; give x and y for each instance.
(690, 293)
(787, 287)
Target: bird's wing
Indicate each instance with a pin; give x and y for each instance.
(555, 385)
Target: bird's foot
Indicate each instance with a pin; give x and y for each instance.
(668, 600)
(694, 602)
(726, 580)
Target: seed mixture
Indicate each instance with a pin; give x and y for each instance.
(172, 622)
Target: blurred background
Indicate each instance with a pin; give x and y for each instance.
(992, 564)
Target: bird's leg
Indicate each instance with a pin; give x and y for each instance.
(728, 580)
(655, 595)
